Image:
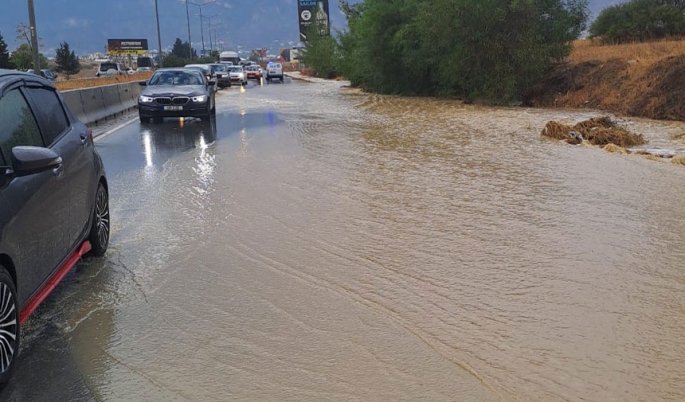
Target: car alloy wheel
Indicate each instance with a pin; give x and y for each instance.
(99, 231)
(9, 323)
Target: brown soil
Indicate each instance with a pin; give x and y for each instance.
(637, 80)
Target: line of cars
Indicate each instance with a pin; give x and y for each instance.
(227, 74)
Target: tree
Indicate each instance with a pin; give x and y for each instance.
(487, 49)
(182, 50)
(22, 58)
(639, 20)
(4, 54)
(66, 59)
(320, 53)
(24, 34)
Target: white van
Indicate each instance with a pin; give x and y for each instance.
(110, 68)
(274, 70)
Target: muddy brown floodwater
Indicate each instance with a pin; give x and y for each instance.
(325, 244)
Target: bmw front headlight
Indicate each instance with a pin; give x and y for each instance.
(145, 99)
(201, 98)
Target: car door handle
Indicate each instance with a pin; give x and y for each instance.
(58, 171)
(84, 139)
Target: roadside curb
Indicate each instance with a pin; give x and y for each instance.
(296, 75)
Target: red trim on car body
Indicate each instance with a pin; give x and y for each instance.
(54, 280)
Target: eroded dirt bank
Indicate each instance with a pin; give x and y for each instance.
(645, 83)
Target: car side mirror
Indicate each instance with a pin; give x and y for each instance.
(27, 160)
(142, 83)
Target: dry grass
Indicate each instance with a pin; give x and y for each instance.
(601, 131)
(643, 53)
(96, 82)
(636, 79)
(655, 158)
(615, 149)
(678, 160)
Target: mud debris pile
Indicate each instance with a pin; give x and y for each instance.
(604, 133)
(600, 131)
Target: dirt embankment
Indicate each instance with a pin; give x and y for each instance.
(643, 80)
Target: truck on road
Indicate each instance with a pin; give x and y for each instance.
(229, 57)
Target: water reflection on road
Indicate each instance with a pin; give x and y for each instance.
(319, 243)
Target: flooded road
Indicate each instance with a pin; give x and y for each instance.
(317, 243)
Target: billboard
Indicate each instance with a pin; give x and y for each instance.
(313, 12)
(126, 46)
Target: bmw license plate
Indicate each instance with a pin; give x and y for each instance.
(173, 108)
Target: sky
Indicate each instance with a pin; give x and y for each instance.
(87, 24)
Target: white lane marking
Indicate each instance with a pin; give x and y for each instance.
(119, 127)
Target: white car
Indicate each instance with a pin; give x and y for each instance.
(274, 70)
(238, 75)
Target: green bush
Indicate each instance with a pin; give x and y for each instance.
(473, 49)
(639, 21)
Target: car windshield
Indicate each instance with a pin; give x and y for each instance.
(176, 78)
(218, 67)
(145, 62)
(253, 68)
(205, 69)
(108, 66)
(235, 69)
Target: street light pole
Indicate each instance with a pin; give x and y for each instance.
(211, 45)
(202, 28)
(213, 27)
(159, 36)
(34, 38)
(190, 43)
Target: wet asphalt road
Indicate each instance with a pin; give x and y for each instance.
(46, 370)
(316, 243)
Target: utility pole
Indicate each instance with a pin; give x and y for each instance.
(34, 39)
(159, 36)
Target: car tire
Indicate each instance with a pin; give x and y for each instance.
(9, 322)
(143, 119)
(100, 227)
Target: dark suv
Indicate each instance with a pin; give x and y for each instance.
(54, 204)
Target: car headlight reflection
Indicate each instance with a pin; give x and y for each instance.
(146, 99)
(201, 98)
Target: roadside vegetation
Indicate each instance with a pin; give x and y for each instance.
(181, 55)
(640, 21)
(67, 62)
(488, 50)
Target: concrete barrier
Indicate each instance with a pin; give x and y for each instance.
(110, 96)
(73, 99)
(128, 93)
(94, 104)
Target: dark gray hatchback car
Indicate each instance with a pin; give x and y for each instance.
(54, 203)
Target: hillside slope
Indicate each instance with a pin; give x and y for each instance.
(644, 79)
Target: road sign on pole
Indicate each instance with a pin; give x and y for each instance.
(313, 12)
